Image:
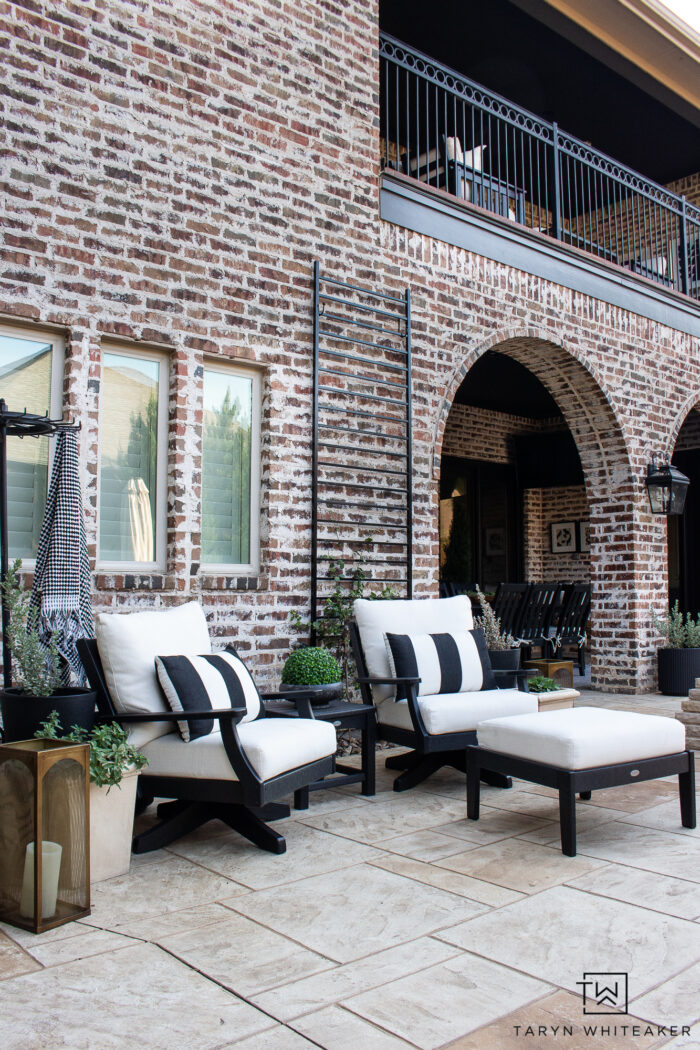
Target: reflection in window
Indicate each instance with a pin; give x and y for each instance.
(129, 458)
(226, 467)
(25, 383)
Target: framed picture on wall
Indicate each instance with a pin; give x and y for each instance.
(495, 543)
(563, 537)
(584, 535)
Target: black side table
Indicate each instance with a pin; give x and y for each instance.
(349, 716)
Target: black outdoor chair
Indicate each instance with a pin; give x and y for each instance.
(238, 796)
(509, 603)
(448, 588)
(535, 626)
(437, 728)
(570, 626)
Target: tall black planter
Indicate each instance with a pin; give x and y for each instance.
(22, 714)
(678, 669)
(505, 660)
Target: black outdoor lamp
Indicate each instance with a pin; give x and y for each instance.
(667, 489)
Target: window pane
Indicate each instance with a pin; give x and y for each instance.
(226, 450)
(25, 382)
(128, 456)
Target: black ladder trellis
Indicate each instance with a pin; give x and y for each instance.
(362, 469)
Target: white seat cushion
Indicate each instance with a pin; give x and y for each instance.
(272, 746)
(458, 712)
(583, 737)
(420, 616)
(128, 644)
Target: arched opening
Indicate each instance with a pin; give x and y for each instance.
(536, 485)
(683, 531)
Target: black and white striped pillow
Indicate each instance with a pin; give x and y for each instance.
(446, 663)
(200, 683)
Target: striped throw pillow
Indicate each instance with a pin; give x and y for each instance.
(446, 663)
(200, 683)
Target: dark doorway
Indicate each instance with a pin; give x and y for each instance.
(683, 532)
(479, 527)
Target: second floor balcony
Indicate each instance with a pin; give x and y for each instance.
(449, 133)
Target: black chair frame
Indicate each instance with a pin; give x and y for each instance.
(244, 804)
(570, 628)
(429, 752)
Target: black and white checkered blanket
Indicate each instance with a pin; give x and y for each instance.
(61, 591)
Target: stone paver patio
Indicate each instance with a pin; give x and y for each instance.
(390, 923)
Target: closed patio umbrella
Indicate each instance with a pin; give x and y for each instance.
(61, 591)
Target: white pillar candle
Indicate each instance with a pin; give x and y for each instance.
(50, 868)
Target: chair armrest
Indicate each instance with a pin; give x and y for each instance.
(522, 674)
(231, 713)
(388, 681)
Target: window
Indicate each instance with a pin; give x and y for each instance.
(133, 459)
(31, 377)
(230, 468)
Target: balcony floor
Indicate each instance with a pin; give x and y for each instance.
(390, 923)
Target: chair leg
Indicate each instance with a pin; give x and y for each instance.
(567, 816)
(418, 771)
(585, 795)
(246, 823)
(686, 790)
(474, 774)
(188, 817)
(404, 761)
(497, 780)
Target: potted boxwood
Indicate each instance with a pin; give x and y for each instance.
(36, 667)
(503, 648)
(313, 668)
(679, 660)
(114, 771)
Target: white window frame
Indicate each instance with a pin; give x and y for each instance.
(161, 530)
(252, 568)
(55, 406)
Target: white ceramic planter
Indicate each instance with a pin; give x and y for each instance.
(112, 827)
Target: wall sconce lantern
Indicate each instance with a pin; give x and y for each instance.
(44, 833)
(667, 489)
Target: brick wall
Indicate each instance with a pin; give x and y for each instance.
(480, 433)
(542, 508)
(171, 173)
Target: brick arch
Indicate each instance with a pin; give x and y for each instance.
(581, 399)
(691, 402)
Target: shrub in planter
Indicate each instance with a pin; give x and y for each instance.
(114, 763)
(679, 659)
(540, 684)
(37, 673)
(313, 666)
(503, 648)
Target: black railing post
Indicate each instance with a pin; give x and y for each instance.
(314, 467)
(557, 181)
(683, 249)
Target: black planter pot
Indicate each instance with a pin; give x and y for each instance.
(322, 694)
(678, 669)
(505, 660)
(23, 714)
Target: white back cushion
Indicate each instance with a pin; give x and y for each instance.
(128, 644)
(418, 616)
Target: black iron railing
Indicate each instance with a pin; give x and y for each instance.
(451, 133)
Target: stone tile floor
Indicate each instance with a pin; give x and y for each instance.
(390, 923)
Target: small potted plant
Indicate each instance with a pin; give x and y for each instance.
(679, 659)
(540, 684)
(114, 764)
(313, 669)
(36, 667)
(503, 648)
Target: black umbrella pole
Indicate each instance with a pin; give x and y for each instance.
(4, 559)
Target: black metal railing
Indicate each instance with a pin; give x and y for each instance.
(455, 135)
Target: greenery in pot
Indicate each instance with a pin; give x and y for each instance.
(679, 633)
(111, 754)
(540, 684)
(36, 667)
(496, 638)
(312, 665)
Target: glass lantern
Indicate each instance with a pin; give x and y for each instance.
(666, 488)
(44, 833)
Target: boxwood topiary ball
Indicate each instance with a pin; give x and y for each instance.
(311, 666)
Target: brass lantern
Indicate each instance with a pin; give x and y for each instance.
(44, 833)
